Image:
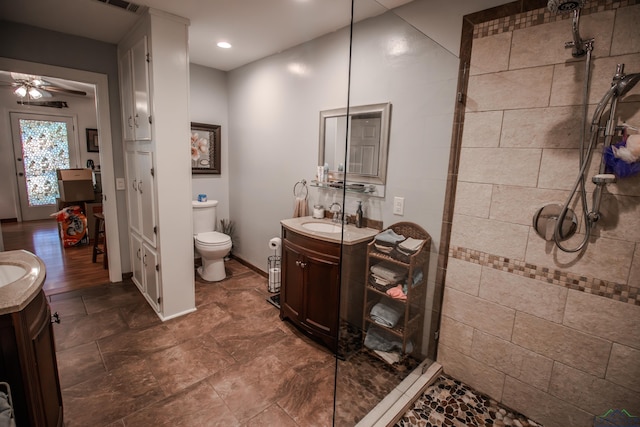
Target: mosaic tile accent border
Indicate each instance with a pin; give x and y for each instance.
(591, 285)
(449, 402)
(542, 16)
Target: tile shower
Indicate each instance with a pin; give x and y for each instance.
(553, 335)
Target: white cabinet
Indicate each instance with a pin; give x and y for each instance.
(143, 222)
(154, 79)
(136, 261)
(134, 83)
(141, 194)
(145, 270)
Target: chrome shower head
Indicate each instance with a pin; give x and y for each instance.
(565, 6)
(626, 83)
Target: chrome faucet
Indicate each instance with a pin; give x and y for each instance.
(336, 214)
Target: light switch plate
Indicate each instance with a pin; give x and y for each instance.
(119, 183)
(398, 205)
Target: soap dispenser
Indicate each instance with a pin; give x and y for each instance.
(359, 215)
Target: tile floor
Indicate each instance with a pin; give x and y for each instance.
(231, 363)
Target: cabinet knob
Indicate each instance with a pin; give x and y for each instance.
(134, 184)
(140, 187)
(130, 122)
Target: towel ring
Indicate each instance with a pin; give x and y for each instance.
(304, 189)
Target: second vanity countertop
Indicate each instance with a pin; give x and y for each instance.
(350, 235)
(18, 294)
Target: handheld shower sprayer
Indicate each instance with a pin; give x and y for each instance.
(578, 45)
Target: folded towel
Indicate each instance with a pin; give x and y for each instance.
(389, 236)
(386, 314)
(389, 271)
(397, 293)
(379, 339)
(382, 248)
(382, 287)
(410, 245)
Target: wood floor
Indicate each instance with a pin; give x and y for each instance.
(68, 269)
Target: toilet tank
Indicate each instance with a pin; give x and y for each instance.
(204, 216)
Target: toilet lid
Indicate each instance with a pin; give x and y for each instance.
(213, 238)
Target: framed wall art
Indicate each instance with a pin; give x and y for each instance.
(93, 143)
(205, 148)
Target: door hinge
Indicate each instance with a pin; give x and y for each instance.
(157, 267)
(153, 172)
(155, 229)
(460, 96)
(150, 120)
(159, 300)
(148, 57)
(436, 335)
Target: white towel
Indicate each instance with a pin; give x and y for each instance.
(301, 208)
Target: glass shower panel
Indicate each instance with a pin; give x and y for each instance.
(389, 304)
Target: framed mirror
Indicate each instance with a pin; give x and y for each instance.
(368, 143)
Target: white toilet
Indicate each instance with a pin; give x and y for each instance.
(211, 245)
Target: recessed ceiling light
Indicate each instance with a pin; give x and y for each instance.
(224, 45)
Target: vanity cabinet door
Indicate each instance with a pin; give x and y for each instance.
(292, 290)
(28, 364)
(309, 295)
(322, 279)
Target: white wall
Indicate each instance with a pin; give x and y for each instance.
(208, 104)
(274, 106)
(274, 118)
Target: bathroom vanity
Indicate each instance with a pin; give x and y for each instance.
(323, 272)
(27, 350)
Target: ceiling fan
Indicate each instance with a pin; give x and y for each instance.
(30, 87)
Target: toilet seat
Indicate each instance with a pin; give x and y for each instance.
(213, 238)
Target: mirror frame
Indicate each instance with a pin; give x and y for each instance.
(385, 110)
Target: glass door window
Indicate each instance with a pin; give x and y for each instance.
(41, 145)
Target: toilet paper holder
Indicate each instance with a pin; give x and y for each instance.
(275, 273)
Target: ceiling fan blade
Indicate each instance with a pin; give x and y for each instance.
(62, 90)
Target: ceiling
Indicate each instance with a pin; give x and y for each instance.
(255, 28)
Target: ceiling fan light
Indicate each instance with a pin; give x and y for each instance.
(35, 93)
(21, 91)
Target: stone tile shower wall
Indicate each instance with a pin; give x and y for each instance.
(553, 335)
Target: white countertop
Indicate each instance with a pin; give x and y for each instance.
(350, 235)
(17, 295)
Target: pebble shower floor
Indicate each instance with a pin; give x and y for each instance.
(448, 402)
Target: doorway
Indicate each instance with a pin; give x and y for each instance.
(110, 205)
(42, 144)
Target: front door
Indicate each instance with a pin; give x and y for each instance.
(41, 145)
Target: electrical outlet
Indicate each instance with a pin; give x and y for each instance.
(119, 183)
(398, 205)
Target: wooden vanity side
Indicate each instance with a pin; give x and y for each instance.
(28, 363)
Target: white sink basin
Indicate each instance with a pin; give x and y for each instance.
(9, 273)
(322, 227)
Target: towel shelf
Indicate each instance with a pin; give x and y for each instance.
(409, 328)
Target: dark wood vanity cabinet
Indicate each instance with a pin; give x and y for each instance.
(310, 290)
(322, 284)
(28, 364)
